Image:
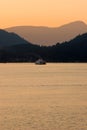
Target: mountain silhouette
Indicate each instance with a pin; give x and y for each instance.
(15, 49)
(49, 35)
(10, 39)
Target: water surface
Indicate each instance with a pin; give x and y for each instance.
(43, 97)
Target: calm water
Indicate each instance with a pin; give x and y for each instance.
(46, 97)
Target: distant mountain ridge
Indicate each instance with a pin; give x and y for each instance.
(50, 35)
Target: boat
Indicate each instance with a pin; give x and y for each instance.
(40, 62)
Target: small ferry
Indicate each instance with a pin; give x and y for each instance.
(40, 62)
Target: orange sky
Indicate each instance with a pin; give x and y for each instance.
(41, 12)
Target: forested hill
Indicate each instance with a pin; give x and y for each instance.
(9, 39)
(15, 49)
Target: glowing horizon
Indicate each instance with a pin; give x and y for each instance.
(51, 13)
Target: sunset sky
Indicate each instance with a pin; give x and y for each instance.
(41, 12)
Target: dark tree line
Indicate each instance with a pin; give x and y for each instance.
(71, 51)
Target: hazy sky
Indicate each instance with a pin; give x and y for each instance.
(41, 12)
